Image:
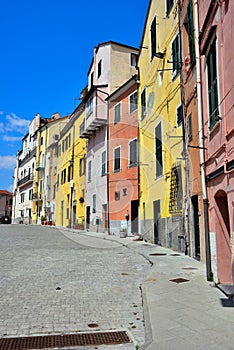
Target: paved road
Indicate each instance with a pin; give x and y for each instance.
(51, 282)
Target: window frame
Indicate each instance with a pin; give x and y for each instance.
(99, 68)
(153, 38)
(169, 6)
(94, 203)
(115, 163)
(117, 118)
(176, 57)
(158, 148)
(212, 86)
(133, 163)
(131, 103)
(143, 106)
(89, 178)
(104, 163)
(179, 118)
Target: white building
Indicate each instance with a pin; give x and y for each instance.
(24, 175)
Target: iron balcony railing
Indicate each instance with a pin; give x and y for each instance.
(26, 179)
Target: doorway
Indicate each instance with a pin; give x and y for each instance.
(223, 238)
(196, 227)
(157, 222)
(134, 216)
(87, 217)
(105, 217)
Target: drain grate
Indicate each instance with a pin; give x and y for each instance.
(61, 341)
(179, 280)
(158, 254)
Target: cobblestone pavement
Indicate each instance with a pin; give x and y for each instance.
(50, 283)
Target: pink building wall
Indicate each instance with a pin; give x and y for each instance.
(216, 23)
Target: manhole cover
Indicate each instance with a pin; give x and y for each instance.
(66, 340)
(158, 254)
(93, 325)
(179, 280)
(189, 268)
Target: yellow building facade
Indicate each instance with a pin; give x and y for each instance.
(44, 184)
(70, 194)
(38, 211)
(162, 167)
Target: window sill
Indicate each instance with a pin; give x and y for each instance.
(214, 129)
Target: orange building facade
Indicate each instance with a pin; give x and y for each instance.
(123, 159)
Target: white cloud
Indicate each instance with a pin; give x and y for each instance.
(11, 138)
(7, 162)
(15, 123)
(10, 188)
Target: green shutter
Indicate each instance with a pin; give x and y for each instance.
(191, 33)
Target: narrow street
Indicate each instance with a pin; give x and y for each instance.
(51, 284)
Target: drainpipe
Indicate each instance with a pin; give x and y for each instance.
(201, 143)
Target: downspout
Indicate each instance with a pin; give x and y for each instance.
(201, 143)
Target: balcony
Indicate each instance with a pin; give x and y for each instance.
(28, 157)
(27, 179)
(37, 197)
(40, 164)
(95, 112)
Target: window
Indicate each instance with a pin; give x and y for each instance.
(82, 127)
(179, 114)
(63, 176)
(133, 152)
(133, 101)
(99, 68)
(22, 197)
(89, 107)
(153, 38)
(54, 191)
(41, 141)
(175, 57)
(117, 196)
(158, 150)
(176, 191)
(144, 214)
(124, 191)
(212, 85)
(70, 173)
(169, 6)
(117, 159)
(67, 213)
(143, 105)
(190, 127)
(89, 171)
(134, 57)
(82, 166)
(103, 172)
(94, 203)
(91, 79)
(30, 195)
(117, 113)
(191, 33)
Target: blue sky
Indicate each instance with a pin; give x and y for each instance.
(46, 50)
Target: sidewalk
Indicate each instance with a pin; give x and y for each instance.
(187, 313)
